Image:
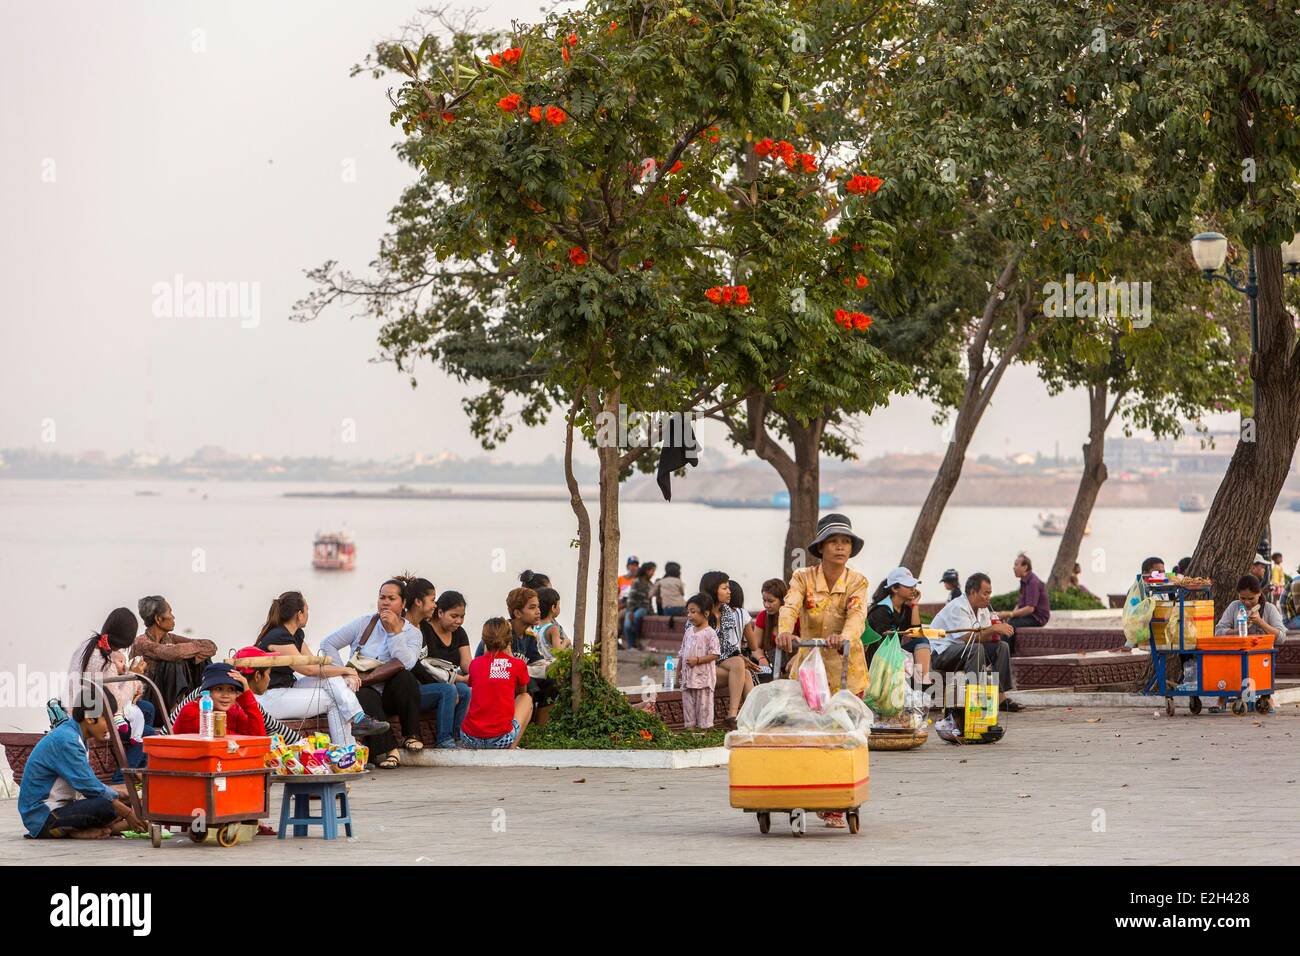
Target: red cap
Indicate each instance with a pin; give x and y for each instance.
(250, 652)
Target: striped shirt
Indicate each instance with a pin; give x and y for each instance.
(273, 726)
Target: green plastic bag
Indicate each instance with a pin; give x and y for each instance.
(887, 680)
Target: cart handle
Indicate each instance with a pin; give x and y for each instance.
(115, 741)
(797, 644)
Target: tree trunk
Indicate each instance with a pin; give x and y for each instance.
(805, 493)
(607, 588)
(1262, 461)
(584, 562)
(982, 378)
(1090, 482)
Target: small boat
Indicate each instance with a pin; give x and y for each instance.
(334, 551)
(1053, 524)
(1192, 503)
(779, 499)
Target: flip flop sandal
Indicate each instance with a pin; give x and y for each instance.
(413, 744)
(388, 762)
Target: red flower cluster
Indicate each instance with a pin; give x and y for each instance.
(578, 256)
(676, 167)
(728, 295)
(510, 56)
(509, 103)
(570, 40)
(863, 184)
(713, 132)
(852, 320)
(783, 150)
(449, 117)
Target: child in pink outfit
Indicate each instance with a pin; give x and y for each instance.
(700, 651)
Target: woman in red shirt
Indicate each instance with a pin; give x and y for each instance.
(230, 695)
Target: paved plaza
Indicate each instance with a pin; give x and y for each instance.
(1082, 786)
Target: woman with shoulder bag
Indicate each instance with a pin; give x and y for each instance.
(384, 648)
(444, 662)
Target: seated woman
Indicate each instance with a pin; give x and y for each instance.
(230, 696)
(103, 654)
(896, 606)
(636, 604)
(383, 648)
(735, 633)
(59, 768)
(259, 680)
(550, 635)
(669, 593)
(440, 622)
(501, 706)
(172, 662)
(1291, 613)
(295, 693)
(774, 591)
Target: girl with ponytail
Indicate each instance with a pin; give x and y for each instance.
(309, 690)
(103, 654)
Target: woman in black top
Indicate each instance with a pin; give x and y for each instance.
(445, 639)
(895, 605)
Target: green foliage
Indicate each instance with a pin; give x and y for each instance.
(605, 720)
(1071, 599)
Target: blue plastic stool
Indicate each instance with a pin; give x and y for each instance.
(333, 796)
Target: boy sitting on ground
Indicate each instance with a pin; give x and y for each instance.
(499, 708)
(58, 769)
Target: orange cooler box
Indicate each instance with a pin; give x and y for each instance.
(1220, 672)
(186, 772)
(808, 777)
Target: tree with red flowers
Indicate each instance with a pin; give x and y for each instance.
(582, 242)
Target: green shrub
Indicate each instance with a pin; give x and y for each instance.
(1071, 599)
(604, 719)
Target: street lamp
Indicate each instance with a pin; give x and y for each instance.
(1210, 249)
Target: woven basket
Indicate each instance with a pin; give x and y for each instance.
(891, 740)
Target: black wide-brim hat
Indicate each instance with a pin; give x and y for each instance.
(829, 526)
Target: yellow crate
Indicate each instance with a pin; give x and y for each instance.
(813, 778)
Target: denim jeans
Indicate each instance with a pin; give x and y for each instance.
(80, 815)
(450, 702)
(135, 752)
(632, 625)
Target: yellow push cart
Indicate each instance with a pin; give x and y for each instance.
(799, 772)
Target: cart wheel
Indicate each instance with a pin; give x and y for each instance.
(854, 823)
(1238, 707)
(1194, 705)
(228, 835)
(1263, 704)
(155, 835)
(764, 822)
(197, 835)
(1169, 706)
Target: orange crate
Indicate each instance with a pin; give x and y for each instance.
(1220, 672)
(186, 772)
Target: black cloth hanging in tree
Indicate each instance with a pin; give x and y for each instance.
(678, 450)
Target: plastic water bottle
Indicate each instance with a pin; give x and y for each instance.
(206, 728)
(1243, 627)
(670, 673)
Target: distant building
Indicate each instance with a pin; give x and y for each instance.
(1138, 454)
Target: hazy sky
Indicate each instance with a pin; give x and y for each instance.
(225, 142)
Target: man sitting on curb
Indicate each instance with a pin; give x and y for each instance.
(983, 641)
(58, 769)
(1033, 608)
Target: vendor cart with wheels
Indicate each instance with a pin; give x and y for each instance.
(205, 784)
(1235, 670)
(799, 773)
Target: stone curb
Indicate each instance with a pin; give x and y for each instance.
(1048, 697)
(618, 759)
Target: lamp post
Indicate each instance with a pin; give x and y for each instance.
(1209, 250)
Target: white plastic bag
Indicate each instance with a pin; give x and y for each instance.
(812, 678)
